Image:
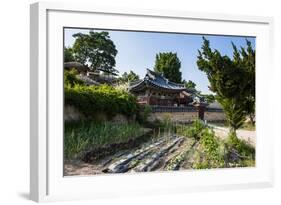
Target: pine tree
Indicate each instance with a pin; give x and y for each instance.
(233, 80)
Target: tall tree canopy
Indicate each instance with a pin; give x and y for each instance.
(96, 50)
(68, 54)
(129, 77)
(209, 98)
(168, 64)
(245, 58)
(189, 84)
(233, 80)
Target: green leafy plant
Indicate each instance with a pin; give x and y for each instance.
(81, 136)
(211, 148)
(193, 131)
(210, 153)
(70, 78)
(244, 149)
(96, 99)
(144, 113)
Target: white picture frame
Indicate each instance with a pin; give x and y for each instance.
(47, 182)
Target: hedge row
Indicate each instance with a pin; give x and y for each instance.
(104, 98)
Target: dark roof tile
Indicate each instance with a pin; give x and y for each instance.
(156, 79)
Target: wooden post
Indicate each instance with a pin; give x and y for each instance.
(201, 110)
(148, 98)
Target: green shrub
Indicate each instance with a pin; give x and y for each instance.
(249, 126)
(193, 131)
(201, 165)
(211, 154)
(144, 113)
(247, 163)
(212, 148)
(244, 149)
(70, 78)
(104, 98)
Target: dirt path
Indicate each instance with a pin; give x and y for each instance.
(249, 136)
(153, 155)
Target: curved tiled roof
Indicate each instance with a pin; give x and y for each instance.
(88, 80)
(156, 80)
(76, 65)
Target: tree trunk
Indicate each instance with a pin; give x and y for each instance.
(252, 116)
(232, 133)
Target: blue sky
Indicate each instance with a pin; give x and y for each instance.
(137, 50)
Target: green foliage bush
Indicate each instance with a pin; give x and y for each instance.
(212, 148)
(104, 98)
(211, 151)
(70, 78)
(193, 131)
(97, 99)
(144, 113)
(244, 149)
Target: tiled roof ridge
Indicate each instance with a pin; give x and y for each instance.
(159, 80)
(164, 78)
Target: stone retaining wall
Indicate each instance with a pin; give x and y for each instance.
(72, 114)
(214, 116)
(185, 117)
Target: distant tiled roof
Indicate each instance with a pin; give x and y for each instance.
(87, 80)
(156, 80)
(214, 105)
(78, 66)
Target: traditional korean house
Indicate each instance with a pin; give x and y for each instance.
(81, 69)
(155, 89)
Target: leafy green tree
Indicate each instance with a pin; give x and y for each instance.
(209, 98)
(96, 50)
(68, 54)
(129, 77)
(168, 64)
(229, 79)
(245, 58)
(70, 78)
(189, 84)
(234, 113)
